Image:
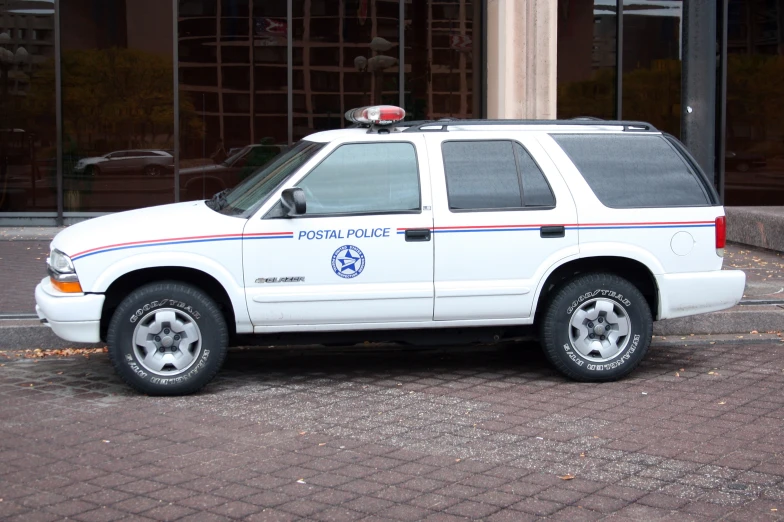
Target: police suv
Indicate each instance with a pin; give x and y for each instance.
(589, 230)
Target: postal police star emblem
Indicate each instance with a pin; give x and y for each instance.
(348, 261)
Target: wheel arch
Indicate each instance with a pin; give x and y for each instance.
(634, 271)
(123, 285)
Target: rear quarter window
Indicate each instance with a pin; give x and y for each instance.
(634, 171)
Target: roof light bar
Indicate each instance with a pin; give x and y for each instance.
(376, 115)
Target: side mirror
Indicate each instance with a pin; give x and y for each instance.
(293, 201)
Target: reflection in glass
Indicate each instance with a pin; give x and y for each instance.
(232, 74)
(28, 159)
(652, 62)
(587, 38)
(118, 104)
(754, 158)
(443, 54)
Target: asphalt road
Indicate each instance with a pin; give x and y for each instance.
(487, 433)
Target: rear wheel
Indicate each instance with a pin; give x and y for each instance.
(597, 327)
(167, 338)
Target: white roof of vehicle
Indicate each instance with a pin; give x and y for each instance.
(455, 126)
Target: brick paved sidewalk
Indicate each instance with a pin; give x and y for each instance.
(450, 434)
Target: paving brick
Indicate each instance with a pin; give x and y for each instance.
(538, 507)
(102, 514)
(235, 509)
(168, 512)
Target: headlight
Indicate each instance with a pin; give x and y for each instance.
(61, 263)
(62, 273)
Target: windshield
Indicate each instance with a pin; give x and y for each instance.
(258, 186)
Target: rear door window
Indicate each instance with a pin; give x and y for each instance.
(634, 171)
(493, 175)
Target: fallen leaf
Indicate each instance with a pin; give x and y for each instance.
(106, 441)
(300, 481)
(566, 477)
(302, 432)
(722, 402)
(682, 370)
(711, 373)
(322, 443)
(754, 332)
(582, 454)
(677, 374)
(458, 460)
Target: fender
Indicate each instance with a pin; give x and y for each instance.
(160, 259)
(590, 250)
(604, 249)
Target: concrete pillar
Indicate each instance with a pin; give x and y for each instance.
(521, 58)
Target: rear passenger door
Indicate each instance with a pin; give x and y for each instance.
(503, 216)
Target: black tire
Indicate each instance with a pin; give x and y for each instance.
(92, 171)
(181, 311)
(586, 295)
(152, 170)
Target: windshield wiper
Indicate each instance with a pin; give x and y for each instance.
(218, 201)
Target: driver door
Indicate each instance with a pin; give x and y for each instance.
(360, 255)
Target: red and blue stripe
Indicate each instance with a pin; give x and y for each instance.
(437, 230)
(567, 226)
(181, 241)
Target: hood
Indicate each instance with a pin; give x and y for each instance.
(174, 221)
(91, 161)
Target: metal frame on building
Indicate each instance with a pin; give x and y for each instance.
(63, 217)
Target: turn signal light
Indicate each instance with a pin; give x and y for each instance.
(376, 115)
(721, 235)
(67, 287)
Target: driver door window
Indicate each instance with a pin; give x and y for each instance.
(364, 178)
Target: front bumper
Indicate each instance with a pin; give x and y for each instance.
(699, 292)
(73, 317)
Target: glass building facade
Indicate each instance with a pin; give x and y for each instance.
(109, 105)
(623, 59)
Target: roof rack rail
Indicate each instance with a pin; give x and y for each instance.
(443, 126)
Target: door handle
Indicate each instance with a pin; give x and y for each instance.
(553, 231)
(418, 234)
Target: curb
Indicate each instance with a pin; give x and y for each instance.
(741, 319)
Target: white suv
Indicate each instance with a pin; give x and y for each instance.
(590, 230)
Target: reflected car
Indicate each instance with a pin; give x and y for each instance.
(204, 181)
(148, 161)
(743, 161)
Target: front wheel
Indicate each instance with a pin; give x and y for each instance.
(167, 338)
(597, 327)
(153, 170)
